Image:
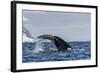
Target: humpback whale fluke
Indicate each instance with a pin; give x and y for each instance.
(59, 42)
(47, 36)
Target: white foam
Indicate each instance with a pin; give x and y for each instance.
(69, 49)
(53, 49)
(38, 47)
(38, 50)
(77, 49)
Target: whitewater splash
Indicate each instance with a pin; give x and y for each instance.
(40, 46)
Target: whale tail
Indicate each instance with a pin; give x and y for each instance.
(61, 44)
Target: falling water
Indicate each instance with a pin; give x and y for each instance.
(38, 47)
(41, 46)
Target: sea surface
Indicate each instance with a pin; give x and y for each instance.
(81, 51)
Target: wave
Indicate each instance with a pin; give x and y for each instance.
(41, 46)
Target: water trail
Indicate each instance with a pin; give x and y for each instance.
(43, 45)
(38, 47)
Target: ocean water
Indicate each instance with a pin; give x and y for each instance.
(76, 54)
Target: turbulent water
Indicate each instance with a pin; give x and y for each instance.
(75, 54)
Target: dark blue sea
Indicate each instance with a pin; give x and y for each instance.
(76, 54)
